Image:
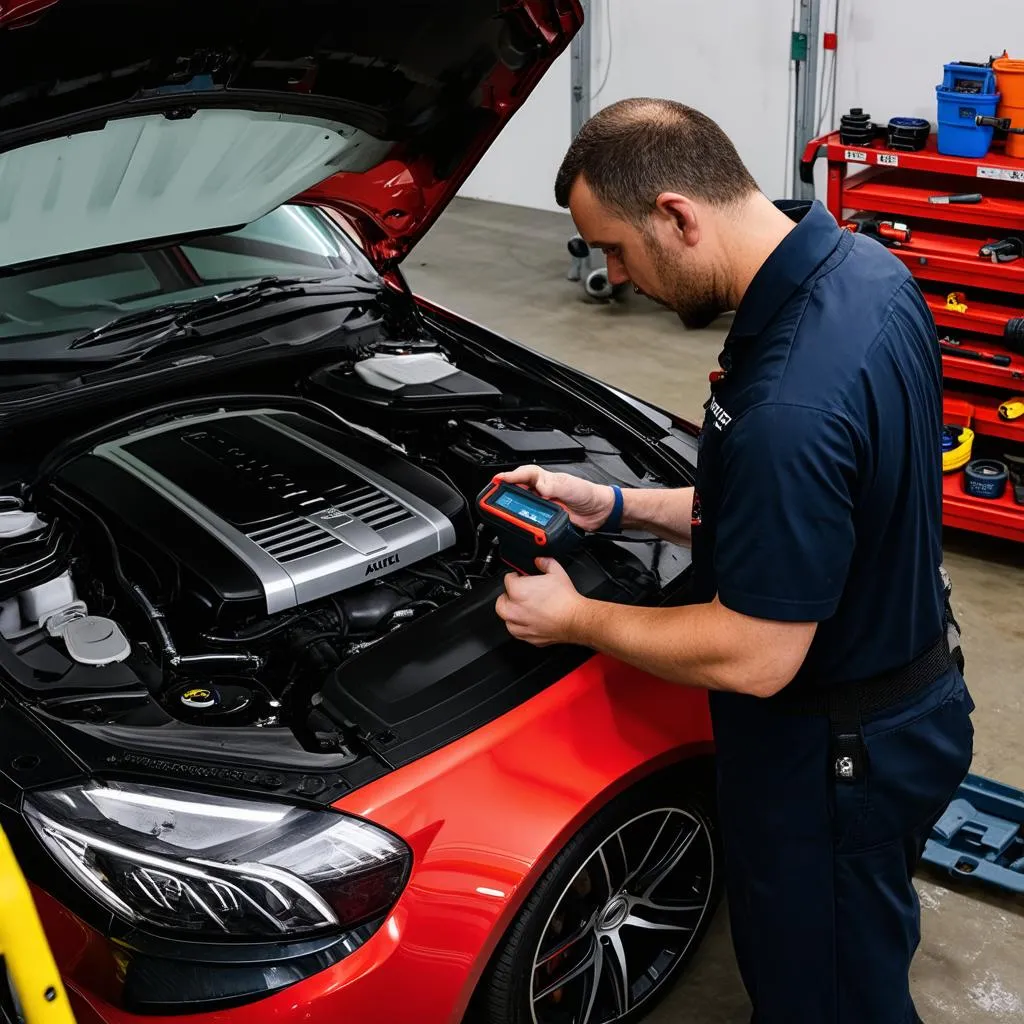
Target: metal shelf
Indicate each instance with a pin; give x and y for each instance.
(981, 317)
(1001, 517)
(954, 260)
(907, 196)
(981, 414)
(996, 166)
(943, 253)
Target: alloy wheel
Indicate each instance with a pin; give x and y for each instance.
(627, 918)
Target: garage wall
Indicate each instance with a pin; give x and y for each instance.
(890, 60)
(891, 54)
(683, 49)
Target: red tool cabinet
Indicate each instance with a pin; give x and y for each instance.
(942, 254)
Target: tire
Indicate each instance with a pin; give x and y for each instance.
(572, 896)
(597, 285)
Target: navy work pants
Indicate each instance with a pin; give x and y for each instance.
(825, 918)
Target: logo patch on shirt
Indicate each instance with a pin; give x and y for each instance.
(721, 417)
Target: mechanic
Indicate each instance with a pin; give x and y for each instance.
(841, 718)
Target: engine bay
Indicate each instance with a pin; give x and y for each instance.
(296, 578)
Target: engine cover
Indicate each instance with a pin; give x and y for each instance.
(264, 510)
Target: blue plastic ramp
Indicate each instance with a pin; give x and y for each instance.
(981, 835)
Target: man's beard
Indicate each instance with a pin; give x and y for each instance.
(690, 292)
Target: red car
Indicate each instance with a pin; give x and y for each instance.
(268, 753)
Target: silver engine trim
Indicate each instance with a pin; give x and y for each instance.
(347, 550)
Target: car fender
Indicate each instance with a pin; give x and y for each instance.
(486, 815)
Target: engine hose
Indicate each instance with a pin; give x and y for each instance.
(986, 478)
(171, 657)
(957, 443)
(185, 662)
(248, 637)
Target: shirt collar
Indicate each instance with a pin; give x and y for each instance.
(796, 257)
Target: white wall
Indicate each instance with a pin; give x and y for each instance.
(687, 50)
(890, 59)
(891, 52)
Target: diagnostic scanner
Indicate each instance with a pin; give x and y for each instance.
(528, 526)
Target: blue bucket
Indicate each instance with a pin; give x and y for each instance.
(966, 92)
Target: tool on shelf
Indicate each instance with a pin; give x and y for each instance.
(956, 302)
(960, 197)
(1013, 334)
(908, 134)
(856, 128)
(1006, 250)
(1012, 408)
(985, 478)
(957, 443)
(949, 347)
(1001, 124)
(891, 234)
(1015, 467)
(967, 92)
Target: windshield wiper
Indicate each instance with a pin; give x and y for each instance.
(178, 316)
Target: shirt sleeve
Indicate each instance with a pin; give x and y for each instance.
(785, 536)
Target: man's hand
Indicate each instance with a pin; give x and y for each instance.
(589, 504)
(543, 609)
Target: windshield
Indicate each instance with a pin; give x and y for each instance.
(79, 295)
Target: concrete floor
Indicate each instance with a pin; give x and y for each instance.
(506, 268)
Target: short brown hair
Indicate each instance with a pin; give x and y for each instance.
(632, 151)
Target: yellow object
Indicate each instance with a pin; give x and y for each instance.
(957, 458)
(1012, 408)
(955, 302)
(26, 954)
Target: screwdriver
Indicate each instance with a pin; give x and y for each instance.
(951, 348)
(962, 197)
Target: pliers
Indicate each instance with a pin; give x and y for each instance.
(1005, 251)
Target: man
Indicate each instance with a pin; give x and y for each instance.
(842, 725)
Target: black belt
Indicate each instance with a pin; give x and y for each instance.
(845, 704)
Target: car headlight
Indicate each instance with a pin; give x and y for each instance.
(214, 866)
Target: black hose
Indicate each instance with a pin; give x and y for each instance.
(443, 581)
(171, 658)
(184, 662)
(244, 637)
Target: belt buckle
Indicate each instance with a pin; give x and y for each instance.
(847, 757)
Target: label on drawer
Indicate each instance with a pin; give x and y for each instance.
(888, 159)
(1002, 173)
(858, 156)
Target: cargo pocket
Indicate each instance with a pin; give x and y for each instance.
(916, 760)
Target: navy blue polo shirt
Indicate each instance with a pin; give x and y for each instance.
(819, 481)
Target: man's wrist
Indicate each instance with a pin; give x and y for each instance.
(580, 629)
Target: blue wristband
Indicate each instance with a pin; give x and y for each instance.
(613, 524)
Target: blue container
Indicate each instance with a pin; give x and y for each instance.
(958, 105)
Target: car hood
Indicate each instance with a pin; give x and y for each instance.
(127, 122)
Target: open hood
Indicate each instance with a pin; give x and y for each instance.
(127, 121)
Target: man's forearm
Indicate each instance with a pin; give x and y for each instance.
(665, 512)
(703, 645)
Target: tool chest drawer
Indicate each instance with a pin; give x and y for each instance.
(957, 224)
